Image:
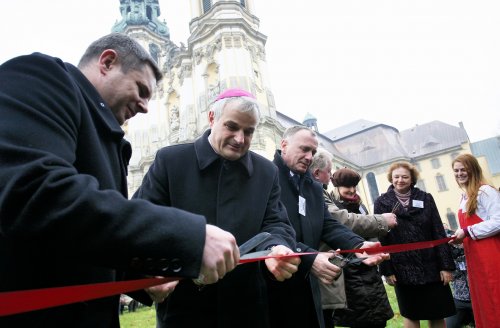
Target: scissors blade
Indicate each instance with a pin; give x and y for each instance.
(254, 242)
(255, 255)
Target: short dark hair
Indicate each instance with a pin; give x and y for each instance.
(291, 131)
(131, 55)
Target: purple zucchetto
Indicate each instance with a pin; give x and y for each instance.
(235, 92)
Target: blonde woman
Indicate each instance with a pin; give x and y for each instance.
(479, 216)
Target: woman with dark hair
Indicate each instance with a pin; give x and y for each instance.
(367, 302)
(420, 277)
(479, 216)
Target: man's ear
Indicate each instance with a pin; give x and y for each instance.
(316, 172)
(211, 118)
(107, 60)
(283, 145)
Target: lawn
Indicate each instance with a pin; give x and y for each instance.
(144, 317)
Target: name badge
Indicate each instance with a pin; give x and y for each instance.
(302, 206)
(418, 203)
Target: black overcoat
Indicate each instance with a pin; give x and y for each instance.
(316, 226)
(64, 215)
(415, 224)
(241, 197)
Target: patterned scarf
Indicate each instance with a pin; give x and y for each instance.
(404, 199)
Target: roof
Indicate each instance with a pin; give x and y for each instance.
(490, 149)
(435, 136)
(350, 129)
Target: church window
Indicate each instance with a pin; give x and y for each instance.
(452, 219)
(372, 185)
(420, 184)
(207, 5)
(435, 163)
(441, 183)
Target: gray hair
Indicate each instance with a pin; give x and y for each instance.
(321, 160)
(131, 55)
(243, 104)
(291, 131)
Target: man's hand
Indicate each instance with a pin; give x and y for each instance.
(373, 259)
(446, 277)
(159, 293)
(324, 270)
(391, 280)
(220, 255)
(282, 268)
(390, 219)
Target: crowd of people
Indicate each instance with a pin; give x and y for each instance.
(65, 216)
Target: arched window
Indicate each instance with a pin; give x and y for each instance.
(372, 186)
(441, 182)
(452, 219)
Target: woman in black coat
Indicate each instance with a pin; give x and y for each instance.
(420, 277)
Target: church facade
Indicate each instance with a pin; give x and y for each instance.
(226, 49)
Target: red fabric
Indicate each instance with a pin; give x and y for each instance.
(483, 268)
(30, 300)
(16, 302)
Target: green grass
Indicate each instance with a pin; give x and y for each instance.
(144, 317)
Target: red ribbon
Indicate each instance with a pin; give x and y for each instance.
(400, 247)
(37, 299)
(370, 250)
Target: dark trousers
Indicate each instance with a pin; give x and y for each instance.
(463, 316)
(328, 316)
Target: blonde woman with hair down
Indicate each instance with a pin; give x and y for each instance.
(479, 216)
(420, 277)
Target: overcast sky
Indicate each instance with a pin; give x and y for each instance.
(396, 62)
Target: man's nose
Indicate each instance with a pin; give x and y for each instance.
(143, 106)
(239, 136)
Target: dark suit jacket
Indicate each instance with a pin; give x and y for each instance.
(241, 197)
(316, 226)
(64, 216)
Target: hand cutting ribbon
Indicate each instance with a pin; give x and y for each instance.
(259, 256)
(37, 299)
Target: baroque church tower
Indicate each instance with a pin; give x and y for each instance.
(224, 50)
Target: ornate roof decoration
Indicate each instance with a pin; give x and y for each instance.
(141, 13)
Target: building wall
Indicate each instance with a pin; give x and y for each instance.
(226, 50)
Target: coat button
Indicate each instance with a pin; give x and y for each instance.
(175, 264)
(298, 249)
(136, 263)
(163, 264)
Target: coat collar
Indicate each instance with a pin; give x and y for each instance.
(98, 106)
(206, 155)
(283, 168)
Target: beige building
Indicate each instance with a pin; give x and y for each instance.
(226, 49)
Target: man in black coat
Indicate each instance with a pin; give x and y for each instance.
(64, 214)
(304, 201)
(237, 190)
